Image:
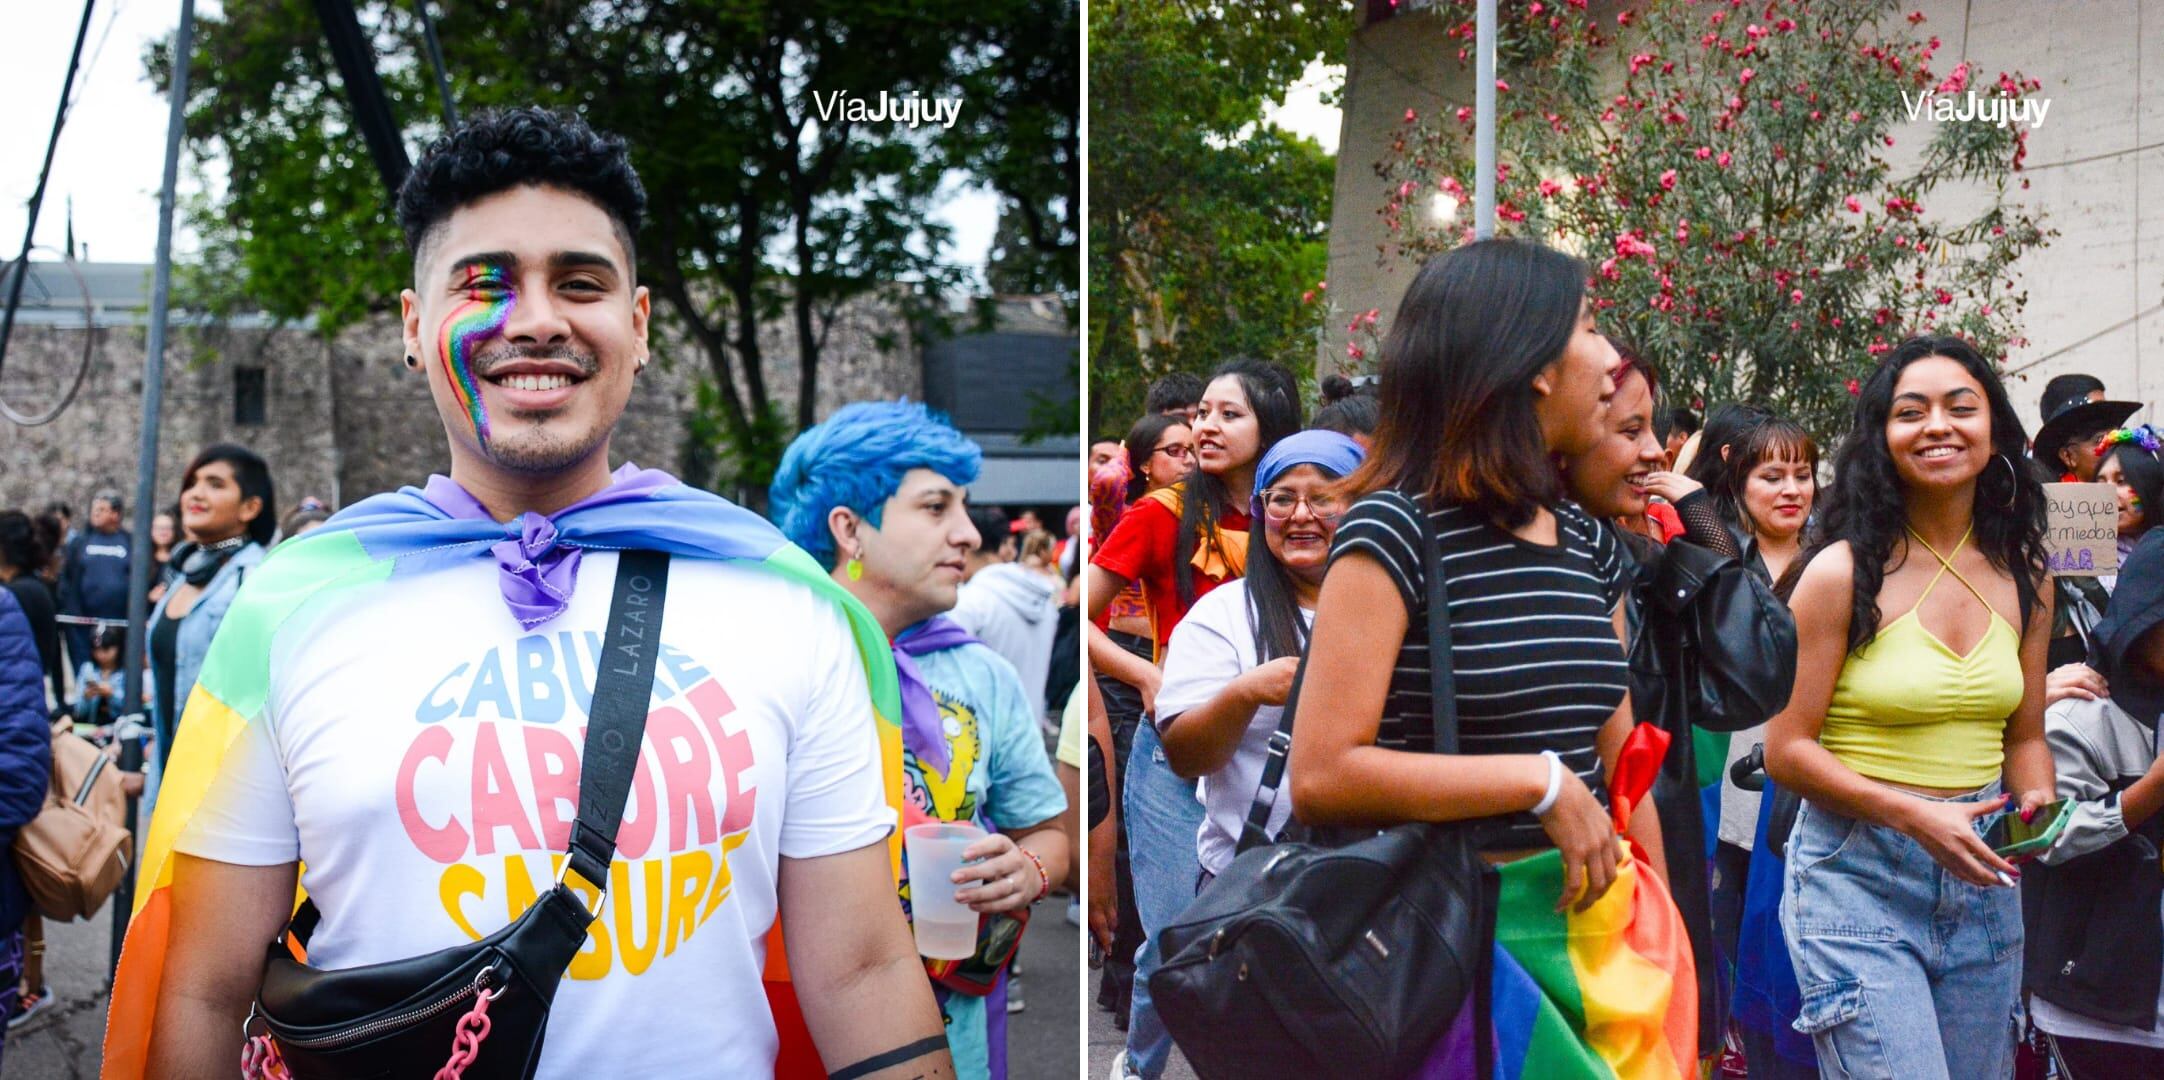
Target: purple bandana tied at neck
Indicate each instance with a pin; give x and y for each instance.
(536, 573)
(922, 731)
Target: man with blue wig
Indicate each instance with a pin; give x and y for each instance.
(876, 494)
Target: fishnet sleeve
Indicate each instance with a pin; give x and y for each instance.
(1702, 524)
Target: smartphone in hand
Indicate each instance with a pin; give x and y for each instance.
(2011, 837)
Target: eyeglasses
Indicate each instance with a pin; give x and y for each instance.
(1279, 504)
(1177, 451)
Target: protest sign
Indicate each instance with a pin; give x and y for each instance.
(2081, 529)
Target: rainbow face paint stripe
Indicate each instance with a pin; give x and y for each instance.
(487, 308)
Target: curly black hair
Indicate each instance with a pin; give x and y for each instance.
(502, 149)
(1865, 504)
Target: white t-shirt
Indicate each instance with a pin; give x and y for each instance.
(1212, 646)
(419, 754)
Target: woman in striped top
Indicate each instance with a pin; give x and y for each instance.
(1492, 365)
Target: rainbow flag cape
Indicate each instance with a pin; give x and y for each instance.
(372, 545)
(1609, 993)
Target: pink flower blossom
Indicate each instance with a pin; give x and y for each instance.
(1745, 76)
(1722, 160)
(1855, 388)
(1668, 180)
(1410, 116)
(1755, 31)
(1795, 296)
(1536, 9)
(1640, 60)
(1308, 297)
(1550, 187)
(1854, 204)
(1501, 86)
(1956, 82)
(1785, 25)
(1355, 351)
(1855, 117)
(1465, 114)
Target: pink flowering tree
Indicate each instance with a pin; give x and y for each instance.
(1723, 166)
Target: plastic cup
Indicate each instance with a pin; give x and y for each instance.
(946, 928)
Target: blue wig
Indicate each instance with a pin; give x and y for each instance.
(857, 459)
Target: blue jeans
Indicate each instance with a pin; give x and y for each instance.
(1906, 970)
(1162, 818)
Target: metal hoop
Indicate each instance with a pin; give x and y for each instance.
(2013, 480)
(82, 370)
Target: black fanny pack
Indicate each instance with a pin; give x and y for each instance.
(477, 1010)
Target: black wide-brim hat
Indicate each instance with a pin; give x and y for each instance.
(2074, 417)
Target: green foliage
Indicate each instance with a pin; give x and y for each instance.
(759, 211)
(1723, 166)
(1205, 222)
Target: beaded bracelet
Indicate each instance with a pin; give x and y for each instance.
(1044, 880)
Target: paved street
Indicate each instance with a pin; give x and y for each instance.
(1106, 1041)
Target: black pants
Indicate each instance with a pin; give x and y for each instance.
(1123, 706)
(2095, 1059)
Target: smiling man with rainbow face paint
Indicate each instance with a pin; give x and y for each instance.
(397, 699)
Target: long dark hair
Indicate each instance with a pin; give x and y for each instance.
(1273, 607)
(1274, 397)
(1726, 425)
(2145, 475)
(1140, 444)
(253, 476)
(1865, 507)
(1475, 327)
(20, 545)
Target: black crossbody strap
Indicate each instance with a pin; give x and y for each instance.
(1442, 669)
(616, 723)
(1255, 831)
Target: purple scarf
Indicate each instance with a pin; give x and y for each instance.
(922, 732)
(536, 573)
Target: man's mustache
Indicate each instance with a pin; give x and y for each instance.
(587, 363)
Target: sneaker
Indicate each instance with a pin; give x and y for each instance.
(31, 1003)
(1074, 912)
(1014, 996)
(1120, 1071)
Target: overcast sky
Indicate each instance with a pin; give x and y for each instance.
(111, 151)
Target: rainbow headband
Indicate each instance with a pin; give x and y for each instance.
(470, 324)
(2141, 435)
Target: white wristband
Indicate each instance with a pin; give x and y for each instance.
(1555, 783)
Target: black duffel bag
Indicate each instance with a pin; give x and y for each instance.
(1349, 959)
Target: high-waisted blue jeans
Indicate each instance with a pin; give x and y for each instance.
(1906, 970)
(1162, 819)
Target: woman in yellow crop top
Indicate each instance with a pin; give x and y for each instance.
(1917, 719)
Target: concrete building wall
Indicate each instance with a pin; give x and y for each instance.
(2096, 170)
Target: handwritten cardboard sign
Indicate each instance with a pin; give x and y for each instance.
(2081, 529)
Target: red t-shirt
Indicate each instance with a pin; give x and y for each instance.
(1143, 547)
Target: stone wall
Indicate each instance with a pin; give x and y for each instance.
(346, 418)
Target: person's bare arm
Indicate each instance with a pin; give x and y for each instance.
(1340, 777)
(1202, 739)
(224, 917)
(1795, 760)
(1103, 897)
(1002, 878)
(2030, 779)
(1105, 655)
(865, 996)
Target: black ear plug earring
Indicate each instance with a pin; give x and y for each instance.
(413, 362)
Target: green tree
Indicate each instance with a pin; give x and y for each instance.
(1723, 166)
(760, 210)
(1206, 222)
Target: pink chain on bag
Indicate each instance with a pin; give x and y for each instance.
(472, 1028)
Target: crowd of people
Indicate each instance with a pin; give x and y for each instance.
(1865, 678)
(873, 653)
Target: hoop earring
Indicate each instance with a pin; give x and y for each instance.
(2013, 481)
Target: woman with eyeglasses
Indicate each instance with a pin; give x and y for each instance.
(1180, 542)
(1232, 660)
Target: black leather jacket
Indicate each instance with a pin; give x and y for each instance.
(1711, 647)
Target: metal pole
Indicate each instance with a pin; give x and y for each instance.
(1484, 125)
(146, 466)
(435, 60)
(37, 195)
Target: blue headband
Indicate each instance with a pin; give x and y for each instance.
(1335, 454)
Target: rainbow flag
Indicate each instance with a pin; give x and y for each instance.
(1609, 993)
(371, 545)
